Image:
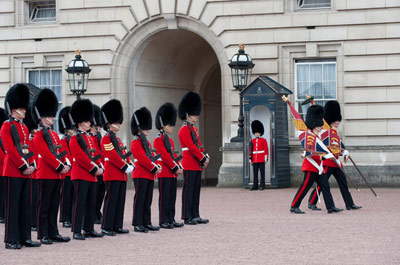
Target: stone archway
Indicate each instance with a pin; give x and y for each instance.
(157, 64)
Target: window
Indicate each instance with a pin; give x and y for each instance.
(43, 11)
(317, 79)
(313, 4)
(48, 79)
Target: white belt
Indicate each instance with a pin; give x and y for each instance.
(258, 152)
(185, 149)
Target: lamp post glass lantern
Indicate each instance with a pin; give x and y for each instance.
(78, 73)
(241, 66)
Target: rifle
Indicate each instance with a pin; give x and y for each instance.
(145, 143)
(168, 146)
(114, 140)
(251, 150)
(194, 138)
(82, 143)
(49, 140)
(17, 139)
(65, 134)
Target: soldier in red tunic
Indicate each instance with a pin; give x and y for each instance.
(17, 169)
(84, 172)
(32, 127)
(332, 116)
(67, 190)
(258, 154)
(194, 158)
(117, 167)
(145, 171)
(3, 118)
(312, 165)
(51, 166)
(171, 167)
(95, 132)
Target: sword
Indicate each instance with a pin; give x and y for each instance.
(363, 177)
(316, 189)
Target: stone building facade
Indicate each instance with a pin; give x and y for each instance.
(147, 52)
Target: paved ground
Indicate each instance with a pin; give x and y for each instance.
(245, 228)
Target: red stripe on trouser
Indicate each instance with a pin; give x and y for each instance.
(134, 203)
(106, 208)
(302, 189)
(62, 200)
(38, 213)
(76, 202)
(160, 203)
(8, 206)
(184, 201)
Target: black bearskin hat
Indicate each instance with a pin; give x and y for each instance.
(28, 120)
(82, 110)
(314, 117)
(46, 103)
(143, 116)
(257, 127)
(332, 112)
(190, 104)
(17, 97)
(167, 113)
(113, 111)
(3, 116)
(96, 116)
(64, 116)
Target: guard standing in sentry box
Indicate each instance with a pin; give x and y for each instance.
(195, 158)
(145, 171)
(17, 169)
(258, 154)
(170, 163)
(67, 190)
(52, 165)
(84, 172)
(117, 166)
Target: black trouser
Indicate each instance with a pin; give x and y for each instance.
(142, 201)
(84, 205)
(49, 200)
(18, 210)
(35, 183)
(261, 167)
(309, 179)
(342, 182)
(167, 199)
(67, 195)
(114, 205)
(100, 192)
(191, 194)
(3, 189)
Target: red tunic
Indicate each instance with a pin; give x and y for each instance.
(65, 147)
(49, 167)
(260, 150)
(144, 167)
(2, 157)
(84, 168)
(310, 143)
(169, 166)
(114, 165)
(192, 155)
(14, 164)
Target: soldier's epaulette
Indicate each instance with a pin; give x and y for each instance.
(185, 123)
(158, 135)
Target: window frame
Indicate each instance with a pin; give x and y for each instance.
(324, 61)
(60, 101)
(40, 5)
(301, 8)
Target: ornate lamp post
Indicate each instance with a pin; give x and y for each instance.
(78, 73)
(241, 66)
